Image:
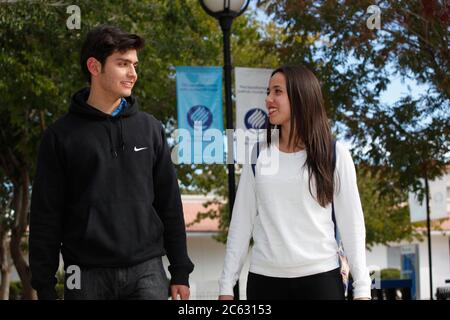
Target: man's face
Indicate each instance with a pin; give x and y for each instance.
(118, 74)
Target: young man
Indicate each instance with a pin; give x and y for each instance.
(105, 193)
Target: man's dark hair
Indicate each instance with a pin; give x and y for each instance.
(103, 41)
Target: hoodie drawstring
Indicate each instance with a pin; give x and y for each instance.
(122, 139)
(111, 143)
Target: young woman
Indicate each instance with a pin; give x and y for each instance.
(288, 212)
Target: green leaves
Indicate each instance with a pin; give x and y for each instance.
(39, 59)
(355, 66)
(385, 213)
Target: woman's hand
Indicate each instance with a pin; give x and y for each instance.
(226, 297)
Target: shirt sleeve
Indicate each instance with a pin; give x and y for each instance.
(240, 231)
(350, 222)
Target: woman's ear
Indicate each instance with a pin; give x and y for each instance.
(94, 66)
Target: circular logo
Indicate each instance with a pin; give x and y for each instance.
(200, 114)
(255, 118)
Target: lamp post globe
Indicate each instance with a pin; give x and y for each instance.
(216, 8)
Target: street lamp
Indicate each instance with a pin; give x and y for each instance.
(225, 11)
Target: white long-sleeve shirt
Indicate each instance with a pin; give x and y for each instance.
(293, 235)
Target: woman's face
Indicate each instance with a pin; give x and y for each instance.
(277, 101)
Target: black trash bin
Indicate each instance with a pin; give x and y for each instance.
(443, 293)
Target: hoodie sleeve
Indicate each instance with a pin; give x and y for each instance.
(45, 218)
(169, 208)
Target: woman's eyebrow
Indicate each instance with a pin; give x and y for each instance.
(276, 87)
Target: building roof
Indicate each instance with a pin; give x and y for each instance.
(445, 225)
(192, 205)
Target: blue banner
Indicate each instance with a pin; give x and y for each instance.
(199, 109)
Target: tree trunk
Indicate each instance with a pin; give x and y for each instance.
(5, 265)
(21, 205)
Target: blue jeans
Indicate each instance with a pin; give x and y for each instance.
(144, 281)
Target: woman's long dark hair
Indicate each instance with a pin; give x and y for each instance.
(309, 127)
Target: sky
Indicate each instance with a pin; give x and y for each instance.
(398, 87)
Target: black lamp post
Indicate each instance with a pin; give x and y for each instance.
(225, 11)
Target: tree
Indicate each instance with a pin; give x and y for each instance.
(355, 65)
(251, 46)
(386, 214)
(5, 228)
(40, 71)
(29, 100)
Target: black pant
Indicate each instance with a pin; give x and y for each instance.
(321, 286)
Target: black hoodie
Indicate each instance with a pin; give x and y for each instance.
(105, 195)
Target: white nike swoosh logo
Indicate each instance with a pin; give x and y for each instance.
(139, 149)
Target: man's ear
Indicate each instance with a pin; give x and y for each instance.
(94, 66)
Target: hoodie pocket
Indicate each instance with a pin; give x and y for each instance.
(123, 231)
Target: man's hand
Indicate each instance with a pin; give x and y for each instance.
(226, 297)
(179, 290)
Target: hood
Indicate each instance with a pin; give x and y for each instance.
(80, 106)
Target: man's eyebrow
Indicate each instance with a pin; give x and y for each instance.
(127, 60)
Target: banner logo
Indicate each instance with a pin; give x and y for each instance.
(200, 113)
